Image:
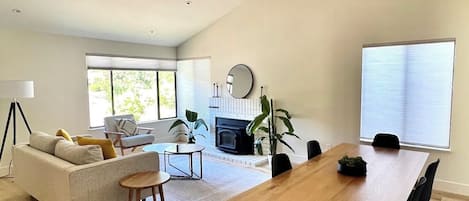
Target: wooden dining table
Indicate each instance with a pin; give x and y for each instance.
(391, 175)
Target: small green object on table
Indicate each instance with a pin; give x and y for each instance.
(352, 166)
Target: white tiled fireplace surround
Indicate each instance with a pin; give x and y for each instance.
(229, 107)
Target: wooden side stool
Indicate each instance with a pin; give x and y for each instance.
(143, 180)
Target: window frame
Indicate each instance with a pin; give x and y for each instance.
(417, 42)
(111, 69)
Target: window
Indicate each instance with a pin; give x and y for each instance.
(407, 90)
(145, 88)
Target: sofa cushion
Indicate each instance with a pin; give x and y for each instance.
(137, 140)
(106, 145)
(43, 141)
(63, 133)
(128, 126)
(77, 154)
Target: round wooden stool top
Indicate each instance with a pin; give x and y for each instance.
(144, 180)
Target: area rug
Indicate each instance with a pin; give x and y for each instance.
(221, 180)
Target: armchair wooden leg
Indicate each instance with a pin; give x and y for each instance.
(133, 149)
(122, 151)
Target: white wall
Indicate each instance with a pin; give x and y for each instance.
(193, 81)
(57, 66)
(308, 55)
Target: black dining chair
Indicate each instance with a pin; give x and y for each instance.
(280, 164)
(430, 175)
(417, 192)
(313, 149)
(386, 140)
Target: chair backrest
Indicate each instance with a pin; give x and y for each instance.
(110, 122)
(430, 175)
(280, 164)
(417, 192)
(313, 148)
(386, 140)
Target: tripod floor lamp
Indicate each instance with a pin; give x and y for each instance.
(14, 89)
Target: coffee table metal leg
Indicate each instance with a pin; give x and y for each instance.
(200, 164)
(191, 165)
(164, 161)
(160, 188)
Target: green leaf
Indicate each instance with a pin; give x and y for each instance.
(287, 114)
(177, 123)
(258, 145)
(191, 116)
(265, 105)
(200, 122)
(292, 134)
(286, 144)
(260, 139)
(254, 124)
(263, 128)
(278, 136)
(287, 123)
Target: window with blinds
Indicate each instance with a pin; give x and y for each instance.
(407, 91)
(143, 87)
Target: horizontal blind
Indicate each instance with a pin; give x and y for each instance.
(129, 63)
(407, 91)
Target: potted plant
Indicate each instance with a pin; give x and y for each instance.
(273, 130)
(192, 124)
(353, 166)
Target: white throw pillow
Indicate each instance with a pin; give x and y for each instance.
(77, 154)
(43, 141)
(128, 126)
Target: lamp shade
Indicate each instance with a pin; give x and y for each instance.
(16, 89)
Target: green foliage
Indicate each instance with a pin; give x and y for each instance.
(357, 162)
(129, 88)
(167, 89)
(258, 145)
(192, 124)
(272, 115)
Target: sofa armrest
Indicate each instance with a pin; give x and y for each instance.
(100, 180)
(40, 174)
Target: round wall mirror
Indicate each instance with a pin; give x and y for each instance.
(239, 81)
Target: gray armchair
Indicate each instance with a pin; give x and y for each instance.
(119, 139)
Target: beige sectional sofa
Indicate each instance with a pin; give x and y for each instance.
(49, 178)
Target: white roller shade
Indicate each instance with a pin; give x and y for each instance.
(407, 90)
(129, 63)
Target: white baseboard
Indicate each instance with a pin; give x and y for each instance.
(451, 187)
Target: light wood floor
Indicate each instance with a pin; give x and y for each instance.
(9, 191)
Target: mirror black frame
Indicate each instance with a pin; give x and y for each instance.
(252, 78)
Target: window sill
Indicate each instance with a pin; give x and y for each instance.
(139, 123)
(412, 146)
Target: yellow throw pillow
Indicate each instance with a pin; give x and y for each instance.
(63, 133)
(106, 145)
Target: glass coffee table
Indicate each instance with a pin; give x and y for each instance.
(168, 149)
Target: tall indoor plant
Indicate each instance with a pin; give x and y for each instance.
(192, 124)
(274, 132)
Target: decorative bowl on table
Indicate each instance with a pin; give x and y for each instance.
(352, 166)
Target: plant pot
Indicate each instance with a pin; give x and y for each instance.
(191, 140)
(351, 171)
